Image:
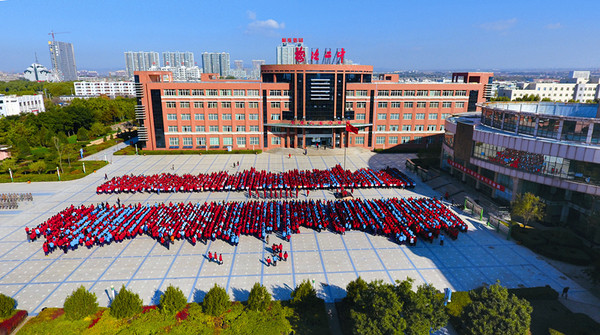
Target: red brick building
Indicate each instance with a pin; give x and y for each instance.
(294, 106)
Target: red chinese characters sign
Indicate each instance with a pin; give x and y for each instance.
(476, 175)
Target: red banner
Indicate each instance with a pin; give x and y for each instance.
(476, 175)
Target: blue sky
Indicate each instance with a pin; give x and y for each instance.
(390, 35)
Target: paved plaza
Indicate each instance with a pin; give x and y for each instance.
(478, 257)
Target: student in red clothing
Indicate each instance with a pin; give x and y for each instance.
(220, 259)
(210, 256)
(285, 256)
(280, 254)
(268, 261)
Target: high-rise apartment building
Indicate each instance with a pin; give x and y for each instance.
(141, 61)
(178, 58)
(286, 51)
(213, 62)
(62, 55)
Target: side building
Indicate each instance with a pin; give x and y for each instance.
(17, 104)
(62, 55)
(108, 88)
(295, 106)
(548, 149)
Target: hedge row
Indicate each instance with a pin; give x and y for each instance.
(557, 244)
(129, 150)
(8, 325)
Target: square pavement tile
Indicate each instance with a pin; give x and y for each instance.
(247, 264)
(437, 278)
(421, 257)
(140, 246)
(186, 266)
(503, 274)
(31, 296)
(307, 262)
(336, 261)
(330, 241)
(185, 285)
(26, 272)
(467, 277)
(304, 241)
(357, 240)
(147, 289)
(153, 267)
(203, 285)
(395, 258)
(239, 287)
(506, 255)
(366, 260)
(478, 256)
(212, 269)
(91, 269)
(122, 268)
(59, 271)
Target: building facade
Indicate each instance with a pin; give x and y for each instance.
(62, 55)
(108, 88)
(37, 72)
(213, 62)
(140, 61)
(177, 59)
(577, 88)
(286, 51)
(548, 149)
(17, 104)
(294, 106)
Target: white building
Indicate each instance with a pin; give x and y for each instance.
(213, 62)
(140, 61)
(286, 51)
(37, 72)
(15, 105)
(578, 88)
(109, 88)
(183, 73)
(178, 58)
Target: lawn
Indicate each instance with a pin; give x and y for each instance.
(75, 173)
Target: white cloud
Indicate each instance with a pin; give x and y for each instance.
(251, 15)
(501, 25)
(553, 26)
(265, 27)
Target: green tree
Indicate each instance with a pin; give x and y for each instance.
(9, 163)
(495, 311)
(305, 294)
(527, 206)
(83, 134)
(126, 304)
(259, 298)
(423, 310)
(60, 147)
(80, 303)
(23, 148)
(39, 167)
(97, 129)
(172, 301)
(7, 305)
(216, 301)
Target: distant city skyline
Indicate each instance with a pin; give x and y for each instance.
(389, 35)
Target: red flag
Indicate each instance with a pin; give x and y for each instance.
(351, 128)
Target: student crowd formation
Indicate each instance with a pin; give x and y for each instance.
(253, 180)
(11, 200)
(400, 219)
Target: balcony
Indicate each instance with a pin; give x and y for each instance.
(143, 133)
(140, 112)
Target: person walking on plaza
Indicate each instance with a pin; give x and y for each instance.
(210, 256)
(267, 239)
(220, 259)
(105, 176)
(565, 293)
(268, 261)
(285, 256)
(274, 260)
(442, 239)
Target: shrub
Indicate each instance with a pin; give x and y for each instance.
(7, 305)
(259, 298)
(216, 301)
(126, 304)
(304, 294)
(460, 300)
(172, 301)
(80, 304)
(12, 323)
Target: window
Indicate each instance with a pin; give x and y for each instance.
(405, 139)
(211, 104)
(434, 104)
(459, 104)
(174, 141)
(197, 92)
(275, 104)
(360, 116)
(240, 116)
(359, 139)
(186, 129)
(436, 93)
(421, 104)
(381, 116)
(198, 104)
(361, 93)
(275, 140)
(201, 141)
(172, 117)
(200, 129)
(227, 129)
(186, 116)
(396, 104)
(252, 93)
(226, 117)
(422, 93)
(199, 117)
(433, 116)
(275, 129)
(445, 116)
(406, 128)
(184, 92)
(213, 116)
(381, 128)
(252, 116)
(396, 93)
(212, 93)
(409, 93)
(384, 93)
(393, 140)
(275, 93)
(214, 141)
(240, 129)
(350, 93)
(395, 116)
(241, 141)
(239, 104)
(188, 142)
(419, 127)
(382, 104)
(275, 117)
(286, 93)
(431, 127)
(253, 104)
(169, 92)
(446, 93)
(418, 139)
(239, 93)
(184, 104)
(442, 128)
(407, 117)
(227, 140)
(361, 104)
(349, 104)
(226, 104)
(254, 140)
(173, 129)
(170, 104)
(213, 129)
(225, 93)
(461, 93)
(254, 128)
(408, 104)
(380, 140)
(420, 116)
(446, 104)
